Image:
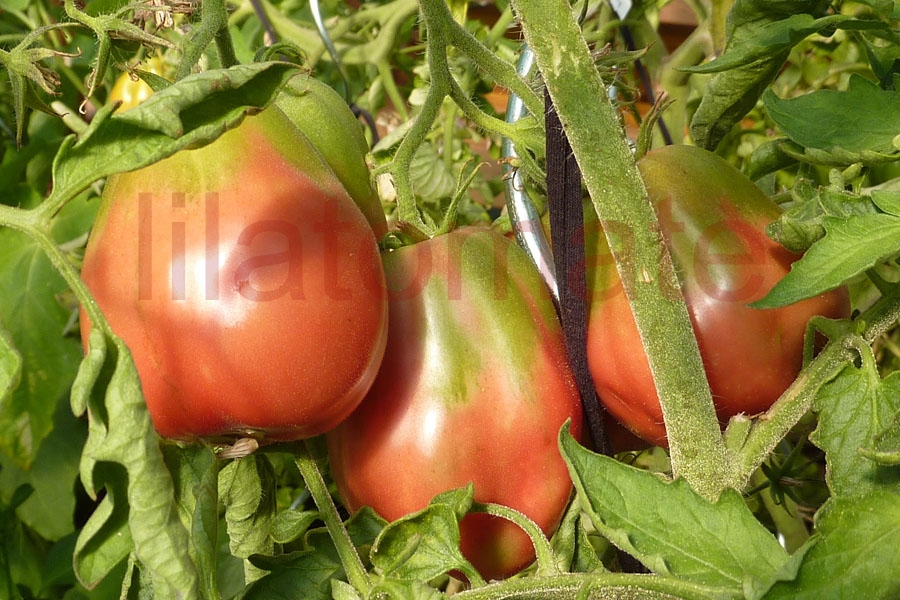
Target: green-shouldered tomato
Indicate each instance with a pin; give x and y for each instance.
(474, 387)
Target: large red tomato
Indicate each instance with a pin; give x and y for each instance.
(713, 219)
(246, 283)
(474, 387)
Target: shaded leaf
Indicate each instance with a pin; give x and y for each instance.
(31, 306)
(309, 573)
(759, 36)
(420, 546)
(194, 470)
(247, 491)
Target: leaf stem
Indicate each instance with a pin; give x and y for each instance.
(545, 557)
(594, 585)
(353, 567)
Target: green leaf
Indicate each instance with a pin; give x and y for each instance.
(105, 540)
(780, 36)
(885, 448)
(123, 454)
(671, 529)
(572, 544)
(852, 409)
(32, 306)
(50, 510)
(194, 470)
(802, 223)
(860, 121)
(309, 573)
(850, 247)
(289, 524)
(420, 546)
(432, 179)
(247, 491)
(188, 114)
(759, 37)
(10, 366)
(854, 551)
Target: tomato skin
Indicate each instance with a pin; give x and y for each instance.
(325, 119)
(474, 387)
(130, 90)
(246, 283)
(713, 219)
(322, 117)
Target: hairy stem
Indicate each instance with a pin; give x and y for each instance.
(617, 191)
(353, 567)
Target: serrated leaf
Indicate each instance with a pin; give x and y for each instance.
(854, 551)
(194, 472)
(246, 490)
(801, 224)
(123, 455)
(780, 36)
(852, 409)
(850, 247)
(862, 119)
(420, 546)
(289, 524)
(188, 114)
(671, 529)
(732, 93)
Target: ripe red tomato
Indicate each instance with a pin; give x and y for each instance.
(246, 283)
(474, 387)
(713, 220)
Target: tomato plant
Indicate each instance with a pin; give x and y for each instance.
(226, 198)
(474, 388)
(228, 271)
(713, 219)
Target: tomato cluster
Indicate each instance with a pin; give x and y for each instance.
(246, 280)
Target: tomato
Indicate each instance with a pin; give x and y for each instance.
(246, 283)
(131, 90)
(713, 219)
(474, 387)
(323, 117)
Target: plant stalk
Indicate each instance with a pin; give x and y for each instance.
(353, 567)
(617, 191)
